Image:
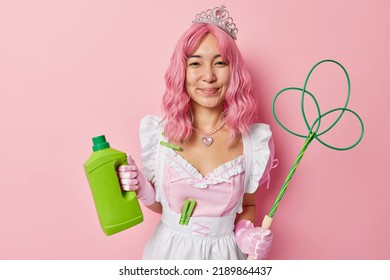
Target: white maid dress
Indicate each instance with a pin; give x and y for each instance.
(218, 194)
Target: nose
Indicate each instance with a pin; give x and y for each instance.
(209, 75)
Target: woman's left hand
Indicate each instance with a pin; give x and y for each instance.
(254, 241)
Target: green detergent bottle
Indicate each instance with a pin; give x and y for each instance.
(117, 210)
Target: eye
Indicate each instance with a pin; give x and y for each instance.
(194, 64)
(221, 63)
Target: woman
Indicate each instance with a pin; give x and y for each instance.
(205, 153)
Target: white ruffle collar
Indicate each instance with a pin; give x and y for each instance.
(191, 176)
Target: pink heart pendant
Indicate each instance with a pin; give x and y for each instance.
(207, 141)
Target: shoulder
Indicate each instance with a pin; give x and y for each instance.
(259, 132)
(151, 122)
(151, 128)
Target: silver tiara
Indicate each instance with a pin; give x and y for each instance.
(219, 17)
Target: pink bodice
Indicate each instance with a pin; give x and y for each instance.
(217, 193)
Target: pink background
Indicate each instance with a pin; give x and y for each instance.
(71, 70)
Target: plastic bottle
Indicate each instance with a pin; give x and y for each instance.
(117, 210)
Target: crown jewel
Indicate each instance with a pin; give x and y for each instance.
(219, 17)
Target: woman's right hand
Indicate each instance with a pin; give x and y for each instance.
(127, 176)
(132, 179)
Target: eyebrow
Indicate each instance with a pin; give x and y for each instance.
(199, 56)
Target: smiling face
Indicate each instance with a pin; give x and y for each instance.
(207, 75)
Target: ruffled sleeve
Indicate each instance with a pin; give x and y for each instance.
(258, 157)
(150, 131)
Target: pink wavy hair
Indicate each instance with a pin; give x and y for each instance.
(240, 105)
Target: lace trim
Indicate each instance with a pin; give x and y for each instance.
(191, 176)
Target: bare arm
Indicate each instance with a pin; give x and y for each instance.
(248, 208)
(155, 207)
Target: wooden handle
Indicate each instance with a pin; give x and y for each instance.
(267, 221)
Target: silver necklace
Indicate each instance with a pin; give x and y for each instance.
(207, 140)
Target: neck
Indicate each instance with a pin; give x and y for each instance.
(205, 119)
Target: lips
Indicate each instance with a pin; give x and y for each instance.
(209, 90)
